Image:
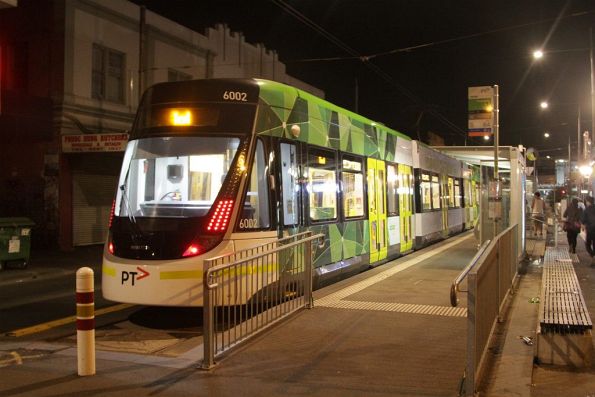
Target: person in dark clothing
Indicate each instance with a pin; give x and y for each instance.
(588, 221)
(573, 215)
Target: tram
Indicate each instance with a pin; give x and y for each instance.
(219, 165)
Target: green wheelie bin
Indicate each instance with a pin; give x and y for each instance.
(15, 241)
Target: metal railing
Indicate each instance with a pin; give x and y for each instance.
(455, 286)
(490, 277)
(250, 290)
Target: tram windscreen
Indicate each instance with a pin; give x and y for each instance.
(173, 176)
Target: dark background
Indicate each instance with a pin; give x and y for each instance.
(466, 43)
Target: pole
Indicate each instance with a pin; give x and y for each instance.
(85, 321)
(496, 155)
(141, 47)
(592, 87)
(578, 136)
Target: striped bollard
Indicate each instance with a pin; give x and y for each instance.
(85, 321)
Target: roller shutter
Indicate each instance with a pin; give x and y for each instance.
(94, 180)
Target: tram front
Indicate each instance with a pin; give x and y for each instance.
(177, 190)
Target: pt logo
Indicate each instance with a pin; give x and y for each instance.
(132, 277)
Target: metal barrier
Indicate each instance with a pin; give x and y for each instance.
(250, 290)
(490, 277)
(455, 286)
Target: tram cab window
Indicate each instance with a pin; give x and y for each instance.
(255, 213)
(392, 189)
(173, 176)
(322, 185)
(352, 182)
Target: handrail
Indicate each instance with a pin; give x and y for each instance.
(454, 288)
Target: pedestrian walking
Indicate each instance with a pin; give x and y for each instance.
(538, 213)
(572, 224)
(588, 221)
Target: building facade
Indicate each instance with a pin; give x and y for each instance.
(71, 73)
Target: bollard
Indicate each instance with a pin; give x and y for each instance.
(85, 321)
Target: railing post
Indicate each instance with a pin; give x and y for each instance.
(471, 334)
(499, 272)
(308, 275)
(208, 361)
(555, 230)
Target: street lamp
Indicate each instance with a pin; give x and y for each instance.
(538, 55)
(586, 170)
(544, 105)
(546, 134)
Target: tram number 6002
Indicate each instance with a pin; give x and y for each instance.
(235, 96)
(248, 223)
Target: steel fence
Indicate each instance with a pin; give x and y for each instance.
(250, 290)
(490, 278)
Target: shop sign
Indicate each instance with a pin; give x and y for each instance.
(94, 143)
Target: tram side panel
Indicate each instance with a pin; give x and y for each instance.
(439, 209)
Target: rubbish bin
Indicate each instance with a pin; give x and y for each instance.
(15, 241)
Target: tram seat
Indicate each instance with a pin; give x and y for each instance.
(564, 330)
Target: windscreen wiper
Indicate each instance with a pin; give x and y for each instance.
(139, 232)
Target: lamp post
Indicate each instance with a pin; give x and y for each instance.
(539, 54)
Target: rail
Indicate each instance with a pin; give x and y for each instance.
(490, 281)
(250, 290)
(454, 288)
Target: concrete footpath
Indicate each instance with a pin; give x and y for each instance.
(350, 344)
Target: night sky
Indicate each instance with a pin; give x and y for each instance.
(460, 43)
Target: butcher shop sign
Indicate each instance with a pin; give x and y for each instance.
(94, 143)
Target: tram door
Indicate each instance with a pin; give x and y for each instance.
(444, 195)
(289, 166)
(405, 206)
(377, 209)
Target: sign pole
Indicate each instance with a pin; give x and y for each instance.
(496, 132)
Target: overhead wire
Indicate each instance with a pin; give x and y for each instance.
(366, 62)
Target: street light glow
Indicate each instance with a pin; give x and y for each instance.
(546, 134)
(548, 157)
(544, 105)
(537, 54)
(586, 170)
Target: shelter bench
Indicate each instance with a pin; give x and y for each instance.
(564, 330)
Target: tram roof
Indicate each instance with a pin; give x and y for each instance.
(290, 91)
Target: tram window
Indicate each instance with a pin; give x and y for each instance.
(457, 192)
(467, 192)
(426, 192)
(352, 181)
(289, 182)
(451, 193)
(255, 213)
(392, 189)
(322, 185)
(173, 177)
(435, 192)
